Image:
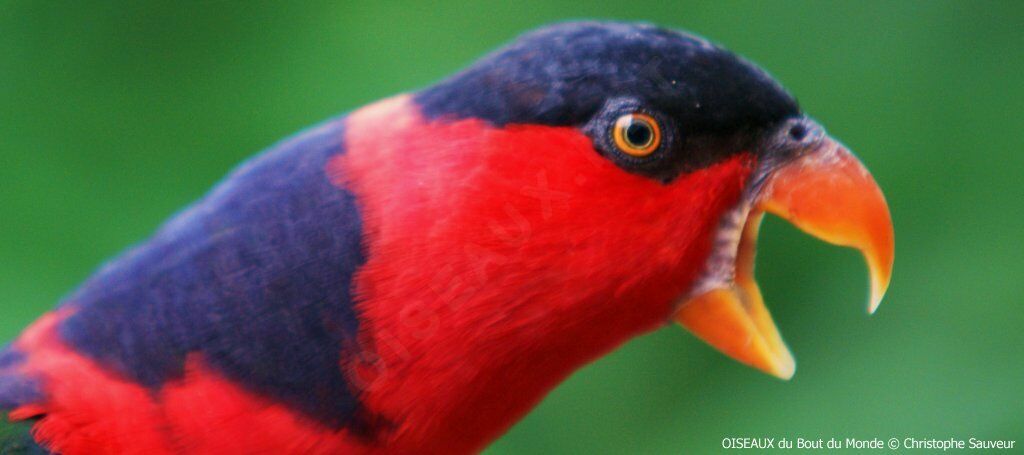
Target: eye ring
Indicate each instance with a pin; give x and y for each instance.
(636, 134)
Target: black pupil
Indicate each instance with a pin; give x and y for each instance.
(798, 132)
(638, 134)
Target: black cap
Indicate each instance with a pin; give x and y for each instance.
(569, 74)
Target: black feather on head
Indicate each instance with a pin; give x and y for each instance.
(582, 73)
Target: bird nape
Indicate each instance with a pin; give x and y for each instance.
(416, 275)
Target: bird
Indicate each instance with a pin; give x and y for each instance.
(415, 275)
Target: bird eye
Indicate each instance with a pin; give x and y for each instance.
(636, 134)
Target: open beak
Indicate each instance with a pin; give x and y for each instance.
(826, 192)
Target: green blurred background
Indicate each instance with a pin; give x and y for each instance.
(115, 114)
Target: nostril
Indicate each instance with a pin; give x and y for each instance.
(798, 132)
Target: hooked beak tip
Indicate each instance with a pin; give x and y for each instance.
(825, 192)
(830, 195)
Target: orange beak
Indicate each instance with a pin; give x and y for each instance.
(825, 192)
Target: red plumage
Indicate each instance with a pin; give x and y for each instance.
(91, 410)
(470, 224)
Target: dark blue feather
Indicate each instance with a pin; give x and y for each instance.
(256, 277)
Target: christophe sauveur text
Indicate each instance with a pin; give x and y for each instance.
(862, 444)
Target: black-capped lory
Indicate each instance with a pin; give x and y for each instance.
(415, 275)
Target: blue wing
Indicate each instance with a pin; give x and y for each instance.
(15, 390)
(256, 277)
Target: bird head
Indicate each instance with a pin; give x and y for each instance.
(591, 181)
